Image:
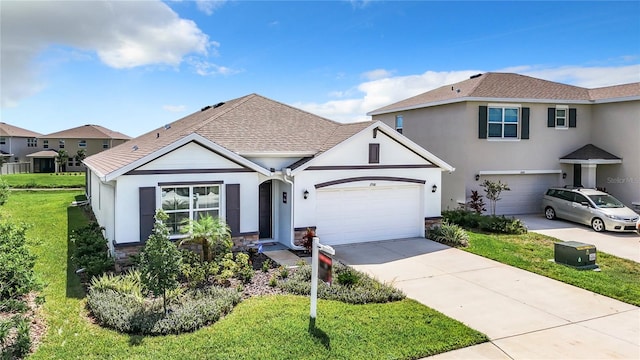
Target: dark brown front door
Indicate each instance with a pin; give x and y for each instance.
(265, 212)
(577, 175)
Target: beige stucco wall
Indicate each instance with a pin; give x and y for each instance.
(451, 133)
(616, 129)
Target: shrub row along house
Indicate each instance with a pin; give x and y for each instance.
(270, 171)
(529, 133)
(33, 152)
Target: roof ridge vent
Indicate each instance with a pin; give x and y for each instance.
(206, 108)
(475, 76)
(218, 105)
(167, 126)
(134, 147)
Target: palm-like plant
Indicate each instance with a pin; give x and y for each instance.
(210, 233)
(62, 159)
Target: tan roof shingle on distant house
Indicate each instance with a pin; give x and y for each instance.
(86, 132)
(509, 86)
(249, 126)
(14, 131)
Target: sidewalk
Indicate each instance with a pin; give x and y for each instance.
(525, 316)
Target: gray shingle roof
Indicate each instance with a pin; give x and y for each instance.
(14, 131)
(247, 125)
(590, 152)
(87, 132)
(510, 86)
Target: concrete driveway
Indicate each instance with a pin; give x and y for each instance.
(526, 316)
(624, 245)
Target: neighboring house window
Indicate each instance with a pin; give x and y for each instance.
(183, 203)
(45, 144)
(561, 116)
(105, 144)
(32, 142)
(70, 161)
(2, 141)
(61, 144)
(399, 123)
(82, 143)
(374, 153)
(503, 122)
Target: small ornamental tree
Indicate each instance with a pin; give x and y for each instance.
(16, 262)
(80, 155)
(476, 202)
(62, 159)
(493, 190)
(212, 233)
(160, 261)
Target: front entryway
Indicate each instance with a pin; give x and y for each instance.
(265, 209)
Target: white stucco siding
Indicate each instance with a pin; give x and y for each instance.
(127, 217)
(102, 200)
(190, 156)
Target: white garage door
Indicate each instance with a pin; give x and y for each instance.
(350, 215)
(526, 192)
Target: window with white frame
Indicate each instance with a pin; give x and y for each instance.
(45, 144)
(82, 143)
(184, 203)
(32, 142)
(61, 144)
(399, 123)
(562, 112)
(503, 121)
(105, 144)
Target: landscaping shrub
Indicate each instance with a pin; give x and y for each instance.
(363, 291)
(449, 234)
(245, 269)
(4, 191)
(129, 283)
(488, 223)
(193, 310)
(16, 262)
(18, 345)
(90, 251)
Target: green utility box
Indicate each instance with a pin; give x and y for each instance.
(575, 254)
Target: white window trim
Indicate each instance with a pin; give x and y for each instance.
(566, 117)
(518, 124)
(82, 143)
(191, 210)
(45, 144)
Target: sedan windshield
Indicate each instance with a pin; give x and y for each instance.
(606, 201)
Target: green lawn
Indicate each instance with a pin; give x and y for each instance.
(61, 180)
(619, 278)
(274, 327)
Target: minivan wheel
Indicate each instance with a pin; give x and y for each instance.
(549, 213)
(597, 225)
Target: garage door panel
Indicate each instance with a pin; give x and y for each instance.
(365, 214)
(526, 192)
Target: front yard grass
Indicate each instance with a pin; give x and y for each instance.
(45, 181)
(266, 327)
(619, 278)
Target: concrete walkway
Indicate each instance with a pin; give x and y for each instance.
(624, 245)
(526, 316)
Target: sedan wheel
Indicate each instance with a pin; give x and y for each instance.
(549, 213)
(597, 225)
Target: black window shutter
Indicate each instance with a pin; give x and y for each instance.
(551, 117)
(232, 195)
(374, 153)
(482, 122)
(147, 211)
(572, 118)
(524, 133)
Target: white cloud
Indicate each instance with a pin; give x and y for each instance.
(377, 74)
(374, 94)
(123, 34)
(174, 108)
(209, 6)
(206, 68)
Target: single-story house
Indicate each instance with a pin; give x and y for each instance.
(270, 171)
(527, 132)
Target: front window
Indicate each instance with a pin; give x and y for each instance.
(82, 143)
(503, 122)
(105, 144)
(61, 144)
(32, 142)
(184, 203)
(399, 123)
(606, 201)
(3, 141)
(45, 144)
(561, 116)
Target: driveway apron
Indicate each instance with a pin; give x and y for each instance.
(525, 316)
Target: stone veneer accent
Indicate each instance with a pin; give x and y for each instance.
(123, 252)
(430, 222)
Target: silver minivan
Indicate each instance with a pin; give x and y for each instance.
(590, 207)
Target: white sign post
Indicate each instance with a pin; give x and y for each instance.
(314, 273)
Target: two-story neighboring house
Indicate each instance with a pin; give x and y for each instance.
(527, 132)
(90, 138)
(16, 142)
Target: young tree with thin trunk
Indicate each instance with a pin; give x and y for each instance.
(493, 190)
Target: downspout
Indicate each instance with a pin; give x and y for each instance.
(286, 174)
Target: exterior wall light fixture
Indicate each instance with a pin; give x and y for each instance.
(434, 188)
(306, 194)
(564, 175)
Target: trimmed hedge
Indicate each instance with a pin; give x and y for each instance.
(489, 223)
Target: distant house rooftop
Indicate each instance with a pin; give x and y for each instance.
(14, 131)
(87, 132)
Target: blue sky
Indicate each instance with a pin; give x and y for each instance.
(132, 66)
